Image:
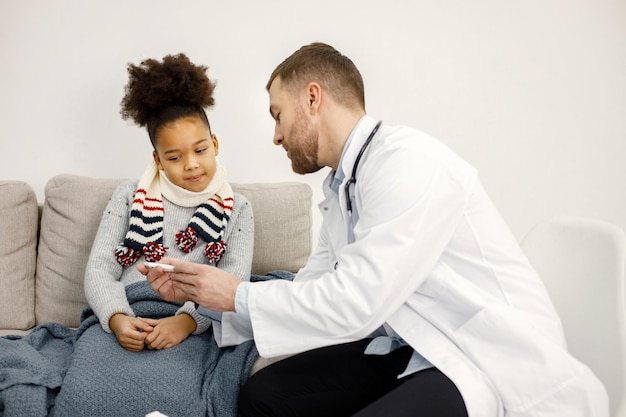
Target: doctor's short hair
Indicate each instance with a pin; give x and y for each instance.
(323, 64)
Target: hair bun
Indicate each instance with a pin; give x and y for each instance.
(154, 86)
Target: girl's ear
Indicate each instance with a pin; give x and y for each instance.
(157, 160)
(216, 144)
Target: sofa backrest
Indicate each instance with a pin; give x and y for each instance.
(71, 214)
(18, 249)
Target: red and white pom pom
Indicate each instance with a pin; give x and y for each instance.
(154, 251)
(186, 239)
(126, 256)
(215, 250)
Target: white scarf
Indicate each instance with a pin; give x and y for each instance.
(145, 232)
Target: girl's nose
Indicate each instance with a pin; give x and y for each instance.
(191, 163)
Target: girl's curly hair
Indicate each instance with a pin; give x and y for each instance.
(160, 92)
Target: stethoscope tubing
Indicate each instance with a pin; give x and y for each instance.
(352, 179)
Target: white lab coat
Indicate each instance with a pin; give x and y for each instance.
(433, 260)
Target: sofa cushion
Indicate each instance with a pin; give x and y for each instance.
(282, 224)
(19, 215)
(71, 214)
(73, 209)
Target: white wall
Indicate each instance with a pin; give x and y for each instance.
(532, 92)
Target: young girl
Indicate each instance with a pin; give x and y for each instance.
(182, 206)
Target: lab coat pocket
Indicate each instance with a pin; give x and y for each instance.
(447, 300)
(532, 374)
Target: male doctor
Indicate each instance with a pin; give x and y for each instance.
(417, 301)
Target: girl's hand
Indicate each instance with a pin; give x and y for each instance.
(130, 331)
(169, 331)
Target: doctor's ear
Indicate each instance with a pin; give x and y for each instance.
(314, 94)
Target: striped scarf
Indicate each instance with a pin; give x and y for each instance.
(145, 232)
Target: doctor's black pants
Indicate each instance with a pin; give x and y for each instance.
(341, 381)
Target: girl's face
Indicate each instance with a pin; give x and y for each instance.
(186, 151)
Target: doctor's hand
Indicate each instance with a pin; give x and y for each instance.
(206, 285)
(161, 281)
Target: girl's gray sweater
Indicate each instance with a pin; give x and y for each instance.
(105, 279)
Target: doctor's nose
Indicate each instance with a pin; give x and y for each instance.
(278, 136)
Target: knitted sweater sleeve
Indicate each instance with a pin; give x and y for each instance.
(104, 291)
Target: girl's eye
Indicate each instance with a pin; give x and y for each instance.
(173, 158)
(201, 150)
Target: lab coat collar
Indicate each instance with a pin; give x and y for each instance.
(355, 141)
(353, 145)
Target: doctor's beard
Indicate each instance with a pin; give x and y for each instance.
(303, 153)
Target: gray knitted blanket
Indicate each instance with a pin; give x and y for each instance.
(32, 369)
(56, 371)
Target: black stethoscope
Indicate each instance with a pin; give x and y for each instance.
(352, 179)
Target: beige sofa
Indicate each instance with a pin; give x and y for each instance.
(44, 247)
